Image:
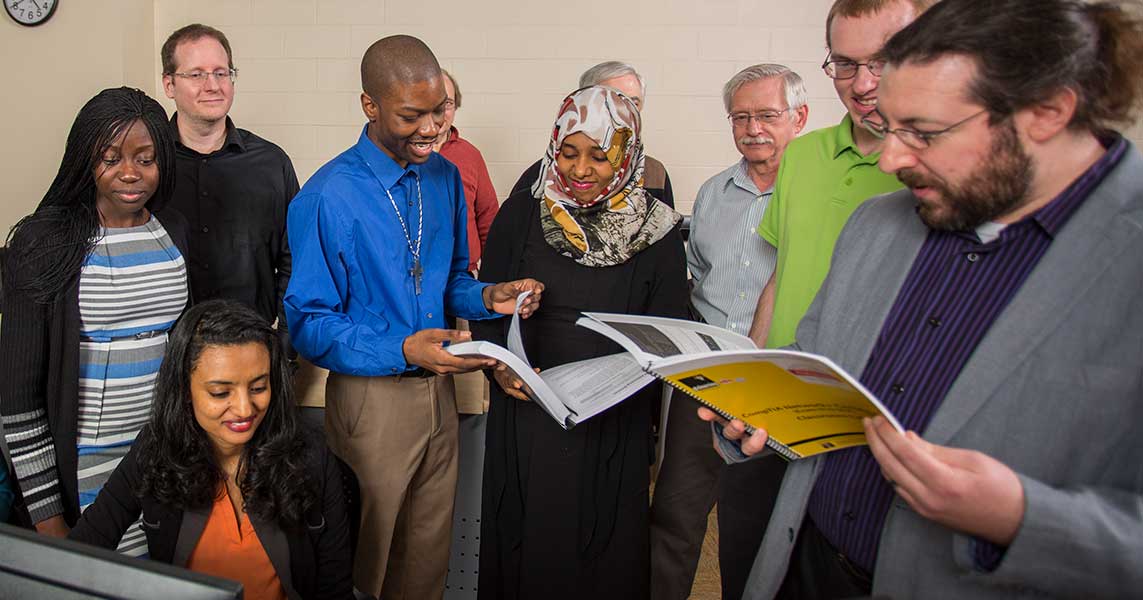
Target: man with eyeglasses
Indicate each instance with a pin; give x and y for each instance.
(993, 306)
(827, 173)
(232, 186)
(766, 108)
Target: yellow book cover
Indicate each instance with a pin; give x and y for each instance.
(806, 403)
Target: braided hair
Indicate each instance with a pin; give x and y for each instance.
(48, 247)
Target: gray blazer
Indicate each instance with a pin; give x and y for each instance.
(1054, 391)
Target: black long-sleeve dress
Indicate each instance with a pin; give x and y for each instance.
(565, 513)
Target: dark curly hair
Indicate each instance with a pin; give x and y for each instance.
(51, 244)
(176, 456)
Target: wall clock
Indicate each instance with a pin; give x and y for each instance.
(30, 12)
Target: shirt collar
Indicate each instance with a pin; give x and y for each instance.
(1055, 214)
(741, 178)
(233, 140)
(843, 142)
(383, 167)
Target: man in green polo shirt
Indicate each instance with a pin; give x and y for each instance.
(826, 174)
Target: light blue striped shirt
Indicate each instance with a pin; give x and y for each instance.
(729, 263)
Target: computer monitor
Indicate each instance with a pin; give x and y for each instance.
(35, 566)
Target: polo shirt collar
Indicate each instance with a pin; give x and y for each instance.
(843, 141)
(233, 140)
(383, 167)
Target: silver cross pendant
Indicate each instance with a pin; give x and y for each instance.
(417, 272)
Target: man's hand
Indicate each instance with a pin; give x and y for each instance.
(510, 383)
(53, 526)
(736, 430)
(501, 298)
(424, 349)
(964, 490)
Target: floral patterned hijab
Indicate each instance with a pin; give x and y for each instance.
(624, 220)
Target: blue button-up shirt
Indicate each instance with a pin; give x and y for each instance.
(351, 301)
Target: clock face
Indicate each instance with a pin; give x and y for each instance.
(30, 12)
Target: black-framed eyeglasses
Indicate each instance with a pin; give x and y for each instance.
(767, 117)
(917, 140)
(847, 69)
(200, 77)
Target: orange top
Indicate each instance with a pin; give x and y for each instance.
(233, 551)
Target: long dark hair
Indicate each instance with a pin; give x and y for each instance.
(176, 457)
(48, 247)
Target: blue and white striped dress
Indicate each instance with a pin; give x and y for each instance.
(132, 288)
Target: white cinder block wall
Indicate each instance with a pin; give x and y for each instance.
(515, 60)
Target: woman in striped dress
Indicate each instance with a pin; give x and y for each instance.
(94, 279)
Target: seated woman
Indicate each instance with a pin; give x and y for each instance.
(93, 280)
(565, 513)
(225, 478)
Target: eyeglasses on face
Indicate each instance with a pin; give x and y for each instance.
(847, 69)
(915, 139)
(741, 119)
(200, 77)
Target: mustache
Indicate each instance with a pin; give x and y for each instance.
(747, 140)
(912, 179)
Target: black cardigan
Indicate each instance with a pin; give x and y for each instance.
(39, 367)
(312, 563)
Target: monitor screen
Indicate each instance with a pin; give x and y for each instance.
(36, 566)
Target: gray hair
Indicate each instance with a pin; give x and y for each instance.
(610, 70)
(795, 88)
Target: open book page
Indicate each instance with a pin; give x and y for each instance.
(804, 401)
(591, 386)
(650, 338)
(541, 392)
(515, 342)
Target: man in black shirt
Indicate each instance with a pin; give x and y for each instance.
(232, 186)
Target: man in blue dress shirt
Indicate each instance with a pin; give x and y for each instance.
(380, 255)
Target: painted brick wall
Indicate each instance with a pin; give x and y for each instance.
(299, 60)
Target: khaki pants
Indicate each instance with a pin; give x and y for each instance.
(399, 434)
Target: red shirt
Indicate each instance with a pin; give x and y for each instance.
(479, 195)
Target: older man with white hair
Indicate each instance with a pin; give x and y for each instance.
(766, 108)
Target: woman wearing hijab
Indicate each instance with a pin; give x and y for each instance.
(94, 279)
(564, 513)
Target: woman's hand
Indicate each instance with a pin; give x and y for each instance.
(53, 526)
(511, 383)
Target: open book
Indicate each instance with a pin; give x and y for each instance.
(806, 403)
(572, 392)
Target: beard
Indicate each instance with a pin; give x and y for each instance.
(999, 186)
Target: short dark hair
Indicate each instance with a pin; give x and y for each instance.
(190, 33)
(860, 8)
(1027, 51)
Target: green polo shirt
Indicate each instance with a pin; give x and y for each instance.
(823, 178)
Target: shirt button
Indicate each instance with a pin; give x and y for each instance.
(935, 321)
(203, 194)
(733, 326)
(206, 230)
(393, 370)
(848, 181)
(430, 315)
(972, 257)
(747, 263)
(897, 388)
(848, 515)
(741, 294)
